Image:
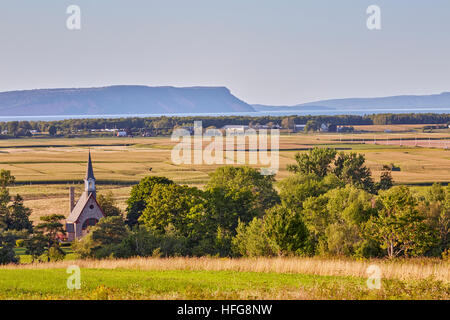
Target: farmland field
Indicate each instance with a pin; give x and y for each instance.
(44, 168)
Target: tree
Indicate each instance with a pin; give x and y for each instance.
(311, 125)
(109, 230)
(386, 180)
(6, 179)
(138, 197)
(173, 206)
(36, 245)
(52, 130)
(238, 180)
(108, 204)
(295, 190)
(13, 216)
(288, 123)
(142, 242)
(316, 161)
(351, 168)
(252, 241)
(51, 228)
(104, 238)
(285, 227)
(436, 209)
(7, 244)
(399, 227)
(55, 253)
(349, 209)
(225, 208)
(13, 127)
(19, 216)
(336, 219)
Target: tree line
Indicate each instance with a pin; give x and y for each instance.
(165, 124)
(330, 205)
(43, 241)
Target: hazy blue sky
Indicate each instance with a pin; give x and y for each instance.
(264, 51)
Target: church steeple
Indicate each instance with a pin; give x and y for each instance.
(89, 171)
(89, 180)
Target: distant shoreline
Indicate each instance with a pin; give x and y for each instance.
(262, 113)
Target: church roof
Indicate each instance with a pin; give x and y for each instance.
(79, 207)
(89, 171)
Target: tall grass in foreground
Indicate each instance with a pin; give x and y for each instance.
(404, 269)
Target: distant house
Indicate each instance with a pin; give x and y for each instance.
(190, 129)
(122, 133)
(259, 127)
(235, 129)
(324, 127)
(148, 133)
(299, 127)
(345, 129)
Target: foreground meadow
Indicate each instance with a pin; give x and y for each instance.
(212, 278)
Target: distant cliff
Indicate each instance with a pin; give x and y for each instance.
(120, 100)
(395, 103)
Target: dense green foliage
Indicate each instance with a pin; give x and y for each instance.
(139, 193)
(14, 219)
(108, 205)
(331, 205)
(103, 239)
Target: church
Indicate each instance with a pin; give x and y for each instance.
(86, 212)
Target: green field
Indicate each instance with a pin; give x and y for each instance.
(26, 258)
(226, 278)
(181, 284)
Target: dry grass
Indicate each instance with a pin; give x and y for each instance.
(131, 162)
(126, 160)
(407, 269)
(394, 127)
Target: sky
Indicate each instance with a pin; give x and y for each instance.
(274, 52)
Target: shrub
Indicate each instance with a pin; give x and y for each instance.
(55, 253)
(251, 240)
(286, 229)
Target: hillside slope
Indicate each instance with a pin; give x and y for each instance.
(120, 100)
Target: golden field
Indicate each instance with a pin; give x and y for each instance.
(44, 168)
